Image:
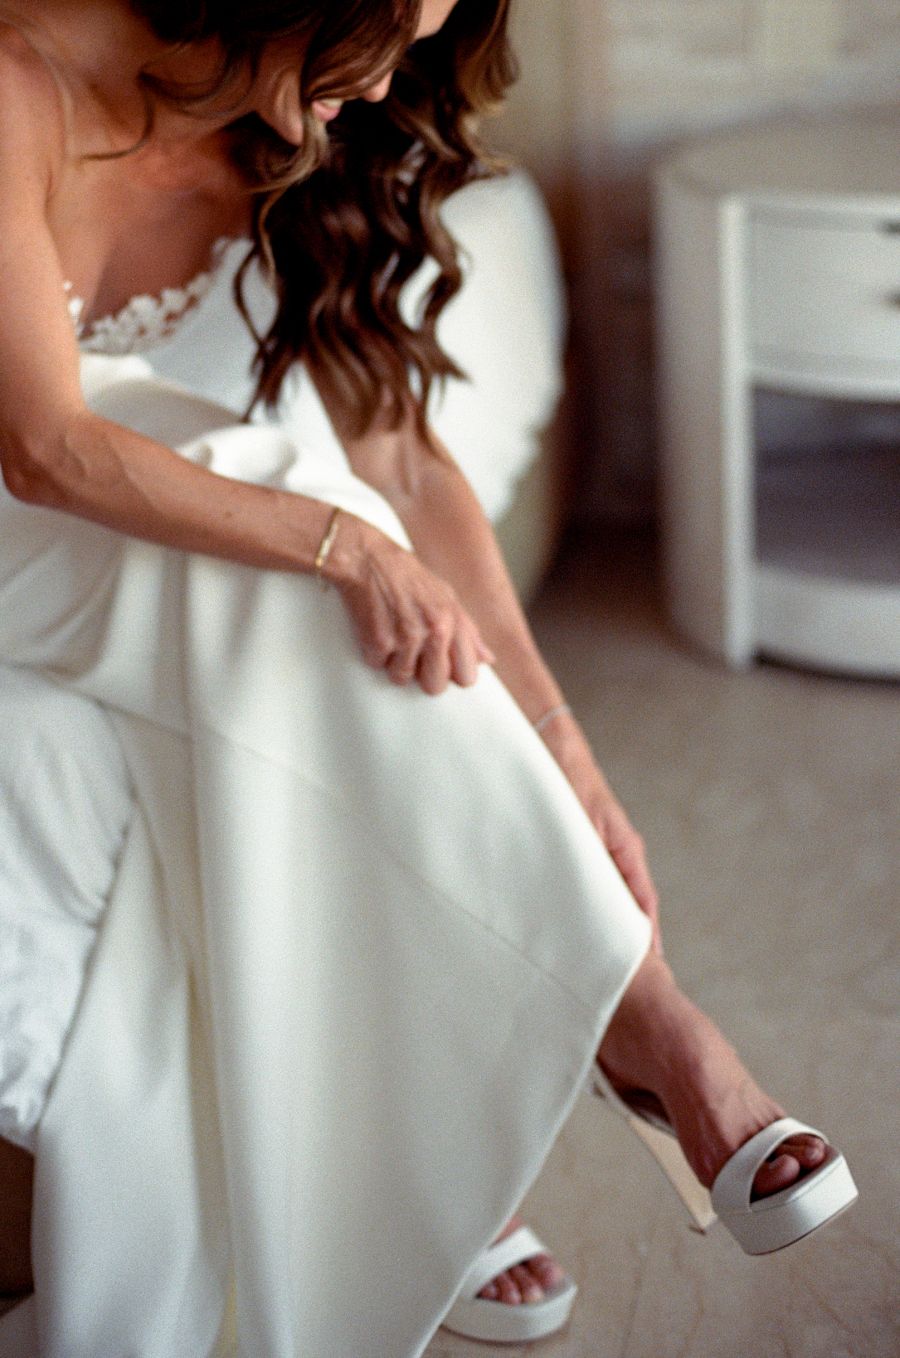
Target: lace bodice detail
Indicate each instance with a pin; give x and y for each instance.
(144, 321)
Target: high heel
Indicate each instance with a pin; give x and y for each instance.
(656, 1132)
(759, 1225)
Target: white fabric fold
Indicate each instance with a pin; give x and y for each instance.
(360, 950)
(65, 804)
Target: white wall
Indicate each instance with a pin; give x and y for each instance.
(623, 71)
(676, 65)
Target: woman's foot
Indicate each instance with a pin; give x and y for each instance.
(658, 1041)
(528, 1282)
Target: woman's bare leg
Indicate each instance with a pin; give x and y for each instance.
(659, 1041)
(16, 1179)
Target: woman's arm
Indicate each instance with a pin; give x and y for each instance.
(453, 537)
(56, 453)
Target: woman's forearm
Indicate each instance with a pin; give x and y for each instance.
(452, 536)
(402, 613)
(106, 473)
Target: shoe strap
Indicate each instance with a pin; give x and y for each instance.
(734, 1183)
(522, 1244)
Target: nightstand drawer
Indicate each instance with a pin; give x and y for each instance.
(824, 288)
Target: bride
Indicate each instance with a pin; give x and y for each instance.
(370, 911)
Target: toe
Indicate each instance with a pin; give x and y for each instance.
(809, 1151)
(776, 1174)
(547, 1271)
(526, 1282)
(528, 1285)
(793, 1158)
(508, 1290)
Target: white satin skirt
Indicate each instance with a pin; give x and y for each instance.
(360, 947)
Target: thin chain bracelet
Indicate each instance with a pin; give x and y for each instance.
(560, 710)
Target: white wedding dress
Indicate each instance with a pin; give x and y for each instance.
(360, 947)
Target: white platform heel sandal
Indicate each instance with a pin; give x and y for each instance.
(496, 1322)
(762, 1225)
(759, 1225)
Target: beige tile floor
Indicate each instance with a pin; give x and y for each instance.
(769, 802)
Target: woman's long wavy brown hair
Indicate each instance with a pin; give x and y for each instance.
(344, 222)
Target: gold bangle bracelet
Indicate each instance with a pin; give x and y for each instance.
(325, 547)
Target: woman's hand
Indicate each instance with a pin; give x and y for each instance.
(408, 621)
(623, 843)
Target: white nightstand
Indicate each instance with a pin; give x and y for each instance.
(779, 268)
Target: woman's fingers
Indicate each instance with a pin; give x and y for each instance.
(436, 645)
(632, 864)
(465, 656)
(435, 666)
(375, 628)
(451, 653)
(403, 661)
(627, 850)
(411, 625)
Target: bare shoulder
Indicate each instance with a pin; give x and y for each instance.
(32, 113)
(38, 352)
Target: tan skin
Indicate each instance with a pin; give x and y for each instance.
(431, 616)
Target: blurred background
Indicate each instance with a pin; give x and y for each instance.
(768, 794)
(609, 88)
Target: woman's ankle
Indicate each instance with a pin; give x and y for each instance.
(643, 1038)
(659, 1041)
